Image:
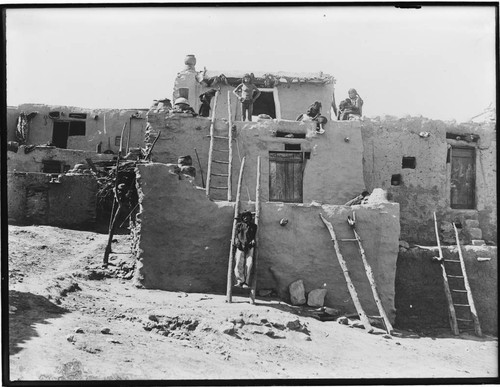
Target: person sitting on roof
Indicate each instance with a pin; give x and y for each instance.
(351, 108)
(247, 94)
(181, 105)
(205, 99)
(314, 114)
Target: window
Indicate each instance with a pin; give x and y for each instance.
(77, 128)
(463, 178)
(77, 115)
(52, 166)
(293, 147)
(409, 162)
(117, 140)
(285, 176)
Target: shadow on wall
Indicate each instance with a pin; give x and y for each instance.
(25, 310)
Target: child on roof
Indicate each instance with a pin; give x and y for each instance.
(247, 94)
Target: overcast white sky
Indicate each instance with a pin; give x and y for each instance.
(438, 62)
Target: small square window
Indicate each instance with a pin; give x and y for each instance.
(77, 128)
(396, 179)
(292, 147)
(184, 92)
(409, 162)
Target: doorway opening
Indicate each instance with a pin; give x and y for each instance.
(265, 104)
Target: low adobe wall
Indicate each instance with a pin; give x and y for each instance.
(33, 161)
(32, 199)
(420, 298)
(182, 243)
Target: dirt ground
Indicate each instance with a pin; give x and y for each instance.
(71, 320)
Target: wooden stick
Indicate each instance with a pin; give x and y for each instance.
(256, 249)
(229, 289)
(230, 157)
(449, 299)
(211, 149)
(350, 285)
(152, 146)
(91, 165)
(371, 279)
(477, 327)
(201, 170)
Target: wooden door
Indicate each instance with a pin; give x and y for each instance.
(285, 177)
(463, 178)
(60, 134)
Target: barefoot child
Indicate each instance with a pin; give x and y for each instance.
(247, 94)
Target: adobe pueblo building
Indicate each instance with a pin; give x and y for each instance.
(413, 168)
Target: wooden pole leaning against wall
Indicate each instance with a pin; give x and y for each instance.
(452, 316)
(211, 149)
(472, 306)
(229, 289)
(230, 154)
(256, 249)
(373, 285)
(350, 286)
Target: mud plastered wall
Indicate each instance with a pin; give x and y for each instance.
(106, 127)
(32, 199)
(426, 188)
(183, 243)
(33, 161)
(420, 298)
(332, 174)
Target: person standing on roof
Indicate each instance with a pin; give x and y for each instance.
(244, 242)
(351, 108)
(247, 94)
(205, 99)
(181, 105)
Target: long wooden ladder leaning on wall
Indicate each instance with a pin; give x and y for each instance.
(369, 273)
(461, 307)
(253, 287)
(215, 146)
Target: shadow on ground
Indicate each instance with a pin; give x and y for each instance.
(25, 310)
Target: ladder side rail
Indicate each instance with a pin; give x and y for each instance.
(446, 285)
(229, 288)
(350, 285)
(373, 284)
(230, 143)
(256, 249)
(211, 149)
(472, 306)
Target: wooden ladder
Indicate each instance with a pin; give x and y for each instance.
(461, 307)
(220, 151)
(369, 273)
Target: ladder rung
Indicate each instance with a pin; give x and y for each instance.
(220, 174)
(221, 150)
(463, 319)
(220, 162)
(223, 137)
(452, 260)
(456, 276)
(348, 240)
(218, 187)
(459, 290)
(461, 305)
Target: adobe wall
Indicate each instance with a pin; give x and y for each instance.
(41, 126)
(182, 242)
(33, 161)
(420, 298)
(426, 188)
(333, 174)
(32, 199)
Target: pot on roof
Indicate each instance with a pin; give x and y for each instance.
(190, 62)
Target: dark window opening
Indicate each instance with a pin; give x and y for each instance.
(52, 166)
(469, 137)
(290, 135)
(77, 128)
(265, 104)
(307, 155)
(448, 156)
(54, 114)
(60, 134)
(292, 147)
(463, 178)
(396, 179)
(184, 92)
(117, 140)
(78, 115)
(409, 162)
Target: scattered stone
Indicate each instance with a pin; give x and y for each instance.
(331, 311)
(297, 293)
(404, 244)
(343, 320)
(269, 333)
(228, 329)
(306, 338)
(78, 330)
(471, 223)
(475, 233)
(238, 321)
(357, 324)
(316, 297)
(386, 336)
(265, 292)
(478, 242)
(105, 331)
(113, 341)
(152, 317)
(71, 338)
